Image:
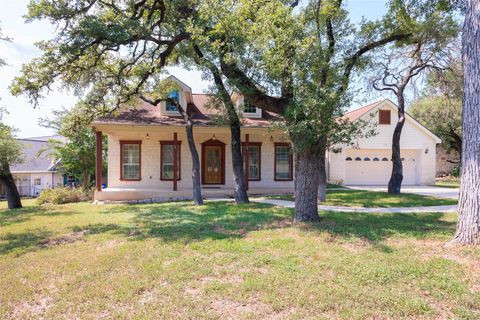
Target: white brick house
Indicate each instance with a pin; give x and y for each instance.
(141, 157)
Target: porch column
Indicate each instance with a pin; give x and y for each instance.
(98, 160)
(247, 158)
(175, 161)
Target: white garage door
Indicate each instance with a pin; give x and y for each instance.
(373, 167)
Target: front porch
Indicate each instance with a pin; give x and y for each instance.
(114, 195)
(153, 163)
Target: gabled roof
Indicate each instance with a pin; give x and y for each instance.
(36, 157)
(202, 115)
(47, 138)
(357, 113)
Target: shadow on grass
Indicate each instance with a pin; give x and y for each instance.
(178, 221)
(10, 217)
(220, 220)
(377, 227)
(19, 243)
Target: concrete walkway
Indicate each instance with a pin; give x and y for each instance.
(291, 204)
(450, 193)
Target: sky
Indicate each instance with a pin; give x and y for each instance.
(22, 115)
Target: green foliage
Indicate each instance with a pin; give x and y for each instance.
(11, 152)
(77, 154)
(3, 38)
(440, 106)
(62, 195)
(456, 171)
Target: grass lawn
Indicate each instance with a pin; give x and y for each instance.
(221, 261)
(372, 199)
(448, 183)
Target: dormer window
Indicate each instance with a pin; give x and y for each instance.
(248, 107)
(250, 110)
(170, 107)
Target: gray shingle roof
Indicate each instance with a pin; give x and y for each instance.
(32, 160)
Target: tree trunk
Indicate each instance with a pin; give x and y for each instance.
(197, 186)
(86, 180)
(395, 183)
(468, 227)
(239, 185)
(322, 179)
(240, 190)
(11, 191)
(307, 173)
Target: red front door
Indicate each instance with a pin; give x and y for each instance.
(212, 165)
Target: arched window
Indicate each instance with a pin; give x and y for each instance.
(384, 159)
(358, 159)
(366, 159)
(403, 159)
(348, 159)
(376, 159)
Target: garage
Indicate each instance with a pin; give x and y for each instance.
(374, 167)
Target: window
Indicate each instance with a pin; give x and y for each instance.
(167, 160)
(248, 107)
(384, 117)
(253, 161)
(384, 159)
(37, 181)
(376, 159)
(283, 162)
(348, 159)
(366, 159)
(130, 160)
(358, 159)
(170, 107)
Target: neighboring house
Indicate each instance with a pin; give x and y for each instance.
(141, 143)
(37, 171)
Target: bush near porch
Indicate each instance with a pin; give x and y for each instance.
(175, 260)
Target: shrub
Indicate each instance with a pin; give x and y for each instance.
(456, 171)
(62, 195)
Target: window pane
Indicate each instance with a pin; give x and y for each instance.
(174, 95)
(248, 107)
(253, 162)
(131, 161)
(167, 162)
(282, 154)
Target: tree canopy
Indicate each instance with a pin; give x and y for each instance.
(77, 153)
(289, 57)
(439, 107)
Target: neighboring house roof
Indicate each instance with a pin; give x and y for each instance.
(36, 157)
(200, 109)
(47, 138)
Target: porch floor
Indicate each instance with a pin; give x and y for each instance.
(162, 195)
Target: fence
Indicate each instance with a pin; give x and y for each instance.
(24, 191)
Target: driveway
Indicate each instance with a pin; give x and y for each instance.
(450, 193)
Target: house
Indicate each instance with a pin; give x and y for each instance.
(37, 171)
(368, 161)
(142, 157)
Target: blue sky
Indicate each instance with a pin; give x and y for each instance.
(23, 116)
